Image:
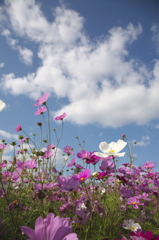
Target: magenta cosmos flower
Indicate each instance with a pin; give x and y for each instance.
(84, 175)
(61, 117)
(50, 228)
(42, 100)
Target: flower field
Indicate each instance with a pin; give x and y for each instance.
(94, 200)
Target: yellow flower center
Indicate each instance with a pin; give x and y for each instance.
(132, 228)
(134, 203)
(111, 151)
(82, 179)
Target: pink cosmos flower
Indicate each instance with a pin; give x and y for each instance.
(68, 183)
(41, 110)
(68, 150)
(134, 201)
(82, 176)
(16, 175)
(61, 117)
(42, 100)
(18, 128)
(2, 146)
(108, 166)
(49, 147)
(50, 228)
(140, 235)
(72, 162)
(3, 165)
(23, 140)
(101, 175)
(79, 166)
(6, 176)
(47, 154)
(149, 165)
(30, 164)
(83, 154)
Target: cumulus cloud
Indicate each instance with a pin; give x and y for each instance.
(8, 135)
(102, 83)
(155, 37)
(157, 126)
(2, 64)
(145, 140)
(24, 53)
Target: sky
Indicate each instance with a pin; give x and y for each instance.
(98, 60)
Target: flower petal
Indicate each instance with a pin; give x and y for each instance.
(29, 232)
(104, 147)
(71, 236)
(102, 155)
(120, 144)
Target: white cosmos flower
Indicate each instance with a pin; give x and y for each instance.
(111, 149)
(131, 225)
(2, 105)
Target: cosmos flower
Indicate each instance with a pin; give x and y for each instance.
(72, 162)
(111, 149)
(68, 150)
(131, 225)
(84, 175)
(108, 166)
(42, 100)
(47, 154)
(68, 183)
(134, 201)
(18, 128)
(61, 117)
(2, 105)
(41, 110)
(2, 146)
(50, 228)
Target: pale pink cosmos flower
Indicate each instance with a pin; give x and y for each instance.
(49, 147)
(18, 128)
(41, 110)
(50, 228)
(134, 201)
(23, 140)
(61, 117)
(108, 166)
(47, 154)
(2, 146)
(42, 100)
(72, 162)
(68, 183)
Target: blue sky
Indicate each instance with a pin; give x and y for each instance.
(99, 60)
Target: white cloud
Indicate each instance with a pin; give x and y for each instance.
(24, 53)
(155, 37)
(102, 83)
(2, 65)
(157, 126)
(145, 140)
(8, 135)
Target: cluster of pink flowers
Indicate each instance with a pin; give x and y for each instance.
(80, 193)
